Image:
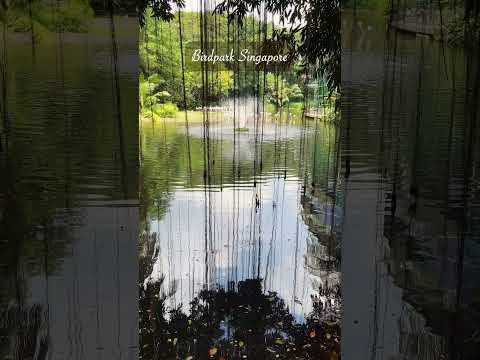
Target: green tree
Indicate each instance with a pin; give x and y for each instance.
(316, 22)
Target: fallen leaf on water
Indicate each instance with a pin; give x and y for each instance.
(213, 351)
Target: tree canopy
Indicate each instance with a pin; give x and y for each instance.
(317, 22)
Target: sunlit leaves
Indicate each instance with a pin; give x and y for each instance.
(317, 22)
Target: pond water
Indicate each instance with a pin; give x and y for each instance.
(410, 159)
(68, 196)
(260, 213)
(268, 207)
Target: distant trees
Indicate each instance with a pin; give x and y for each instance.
(315, 22)
(64, 16)
(161, 79)
(279, 91)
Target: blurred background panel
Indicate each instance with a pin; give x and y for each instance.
(410, 158)
(68, 181)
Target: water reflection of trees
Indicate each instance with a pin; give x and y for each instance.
(165, 163)
(430, 258)
(51, 159)
(217, 318)
(25, 326)
(425, 146)
(242, 321)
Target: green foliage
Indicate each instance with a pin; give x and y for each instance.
(168, 110)
(321, 41)
(69, 16)
(66, 16)
(19, 23)
(457, 27)
(295, 93)
(149, 95)
(279, 91)
(160, 9)
(161, 66)
(316, 22)
(160, 63)
(296, 107)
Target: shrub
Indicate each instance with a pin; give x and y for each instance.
(166, 110)
(70, 16)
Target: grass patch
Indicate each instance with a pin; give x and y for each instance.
(194, 117)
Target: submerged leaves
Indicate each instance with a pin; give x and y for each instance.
(237, 324)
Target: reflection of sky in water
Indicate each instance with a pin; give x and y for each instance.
(247, 141)
(281, 250)
(273, 242)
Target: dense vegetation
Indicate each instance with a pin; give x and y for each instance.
(162, 76)
(39, 16)
(316, 23)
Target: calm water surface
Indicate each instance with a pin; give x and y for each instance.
(261, 218)
(410, 158)
(267, 210)
(68, 190)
